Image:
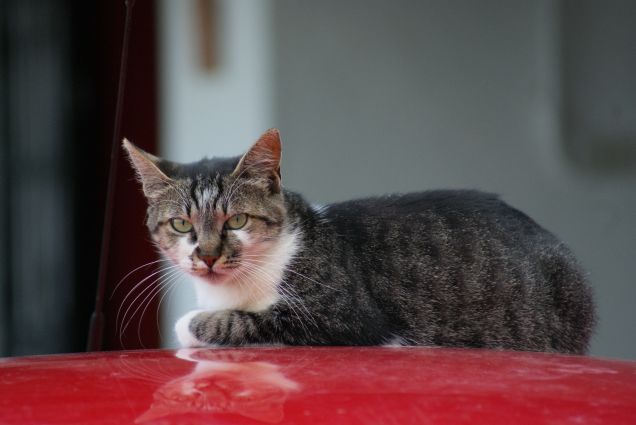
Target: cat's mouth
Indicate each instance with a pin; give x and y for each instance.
(214, 275)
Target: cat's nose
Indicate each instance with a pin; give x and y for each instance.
(208, 259)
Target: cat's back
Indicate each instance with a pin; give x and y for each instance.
(461, 226)
(418, 202)
(454, 211)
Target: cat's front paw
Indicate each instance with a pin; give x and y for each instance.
(184, 335)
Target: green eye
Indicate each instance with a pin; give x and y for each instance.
(236, 221)
(181, 225)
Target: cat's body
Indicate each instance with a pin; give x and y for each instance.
(450, 268)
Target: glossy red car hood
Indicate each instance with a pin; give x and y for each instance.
(317, 386)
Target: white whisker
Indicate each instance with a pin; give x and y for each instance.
(148, 300)
(133, 271)
(166, 294)
(130, 292)
(123, 320)
(288, 269)
(123, 302)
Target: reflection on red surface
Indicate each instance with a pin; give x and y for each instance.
(221, 383)
(306, 385)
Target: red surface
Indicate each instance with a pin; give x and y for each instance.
(317, 386)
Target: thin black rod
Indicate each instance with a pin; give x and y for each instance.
(95, 335)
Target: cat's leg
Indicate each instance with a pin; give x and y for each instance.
(200, 328)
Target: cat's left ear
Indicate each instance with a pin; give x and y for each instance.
(153, 180)
(262, 160)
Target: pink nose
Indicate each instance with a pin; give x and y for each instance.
(208, 259)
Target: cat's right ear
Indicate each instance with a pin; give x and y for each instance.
(263, 160)
(153, 180)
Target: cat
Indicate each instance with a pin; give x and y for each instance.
(457, 268)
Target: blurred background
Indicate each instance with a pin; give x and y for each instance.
(534, 100)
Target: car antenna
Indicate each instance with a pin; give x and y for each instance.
(96, 329)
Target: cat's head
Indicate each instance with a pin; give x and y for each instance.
(217, 217)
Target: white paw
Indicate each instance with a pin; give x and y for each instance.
(182, 329)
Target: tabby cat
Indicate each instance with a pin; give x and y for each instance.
(455, 268)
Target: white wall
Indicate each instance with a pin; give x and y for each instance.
(211, 114)
(378, 96)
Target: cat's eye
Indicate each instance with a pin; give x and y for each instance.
(181, 225)
(236, 221)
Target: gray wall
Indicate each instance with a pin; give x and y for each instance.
(378, 96)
